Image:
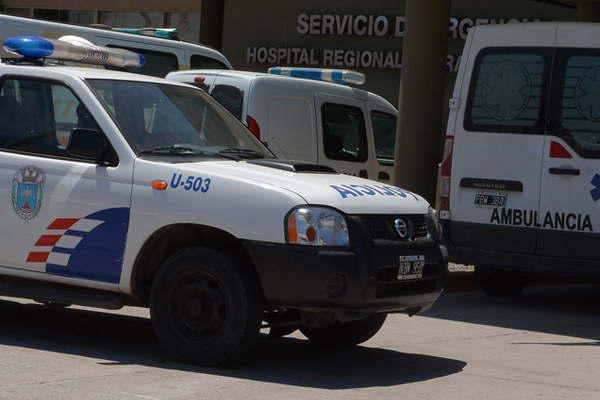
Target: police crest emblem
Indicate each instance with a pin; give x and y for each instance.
(28, 191)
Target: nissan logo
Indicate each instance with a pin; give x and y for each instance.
(401, 228)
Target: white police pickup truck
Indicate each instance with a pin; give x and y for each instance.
(123, 189)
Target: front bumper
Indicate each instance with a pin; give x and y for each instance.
(356, 279)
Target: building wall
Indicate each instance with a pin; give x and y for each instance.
(185, 15)
(281, 32)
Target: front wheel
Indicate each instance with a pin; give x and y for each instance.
(204, 308)
(345, 334)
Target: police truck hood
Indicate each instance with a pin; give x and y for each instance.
(347, 193)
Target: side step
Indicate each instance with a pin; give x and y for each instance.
(49, 292)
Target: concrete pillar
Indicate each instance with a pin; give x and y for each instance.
(419, 132)
(211, 23)
(588, 10)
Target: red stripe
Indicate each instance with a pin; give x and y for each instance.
(62, 224)
(38, 256)
(48, 240)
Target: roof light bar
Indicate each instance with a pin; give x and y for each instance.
(342, 76)
(72, 48)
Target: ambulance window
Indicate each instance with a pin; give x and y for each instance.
(203, 62)
(229, 97)
(576, 108)
(158, 63)
(384, 131)
(38, 116)
(344, 133)
(508, 91)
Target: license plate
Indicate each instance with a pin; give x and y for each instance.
(411, 267)
(484, 199)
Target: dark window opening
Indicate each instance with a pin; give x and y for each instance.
(203, 62)
(344, 133)
(229, 97)
(575, 110)
(157, 64)
(38, 117)
(508, 91)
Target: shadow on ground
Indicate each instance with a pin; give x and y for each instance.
(569, 310)
(121, 340)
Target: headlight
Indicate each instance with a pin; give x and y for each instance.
(317, 226)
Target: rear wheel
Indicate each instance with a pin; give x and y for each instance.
(204, 308)
(500, 283)
(345, 334)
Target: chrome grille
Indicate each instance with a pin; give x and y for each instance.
(381, 227)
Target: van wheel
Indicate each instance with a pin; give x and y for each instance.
(500, 283)
(345, 334)
(204, 309)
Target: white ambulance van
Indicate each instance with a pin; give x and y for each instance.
(309, 119)
(162, 55)
(162, 199)
(520, 178)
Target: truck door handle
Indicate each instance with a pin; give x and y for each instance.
(363, 173)
(565, 171)
(384, 176)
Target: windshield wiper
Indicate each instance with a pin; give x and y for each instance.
(245, 153)
(178, 149)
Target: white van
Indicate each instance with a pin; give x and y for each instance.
(348, 129)
(520, 179)
(162, 55)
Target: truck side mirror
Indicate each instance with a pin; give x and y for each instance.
(87, 144)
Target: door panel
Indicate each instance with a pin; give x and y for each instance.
(570, 180)
(62, 216)
(343, 138)
(498, 145)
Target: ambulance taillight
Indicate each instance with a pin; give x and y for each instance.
(444, 179)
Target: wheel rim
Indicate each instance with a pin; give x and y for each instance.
(199, 306)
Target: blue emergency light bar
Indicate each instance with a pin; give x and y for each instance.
(72, 48)
(342, 76)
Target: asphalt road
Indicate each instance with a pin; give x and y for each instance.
(544, 345)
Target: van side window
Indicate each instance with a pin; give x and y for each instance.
(157, 64)
(384, 132)
(230, 97)
(508, 91)
(202, 62)
(344, 133)
(38, 116)
(575, 112)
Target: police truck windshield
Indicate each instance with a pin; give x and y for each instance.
(163, 119)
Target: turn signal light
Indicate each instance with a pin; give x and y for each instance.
(159, 185)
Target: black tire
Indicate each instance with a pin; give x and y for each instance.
(345, 334)
(204, 309)
(500, 283)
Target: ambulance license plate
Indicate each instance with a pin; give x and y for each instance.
(411, 268)
(485, 199)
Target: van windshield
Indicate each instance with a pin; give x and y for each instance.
(163, 119)
(384, 130)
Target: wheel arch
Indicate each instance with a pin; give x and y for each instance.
(167, 240)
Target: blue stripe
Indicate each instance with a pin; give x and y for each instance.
(76, 233)
(62, 250)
